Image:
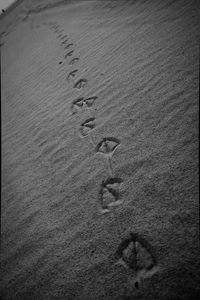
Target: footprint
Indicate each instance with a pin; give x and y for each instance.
(80, 83)
(72, 74)
(69, 53)
(67, 46)
(64, 37)
(73, 61)
(87, 126)
(59, 36)
(89, 101)
(107, 146)
(77, 104)
(65, 42)
(109, 195)
(137, 255)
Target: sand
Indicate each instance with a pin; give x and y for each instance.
(100, 150)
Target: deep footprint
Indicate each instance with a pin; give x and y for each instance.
(80, 83)
(137, 255)
(89, 101)
(107, 145)
(109, 194)
(77, 104)
(87, 126)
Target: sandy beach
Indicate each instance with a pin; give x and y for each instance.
(100, 121)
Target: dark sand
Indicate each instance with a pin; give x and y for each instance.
(100, 139)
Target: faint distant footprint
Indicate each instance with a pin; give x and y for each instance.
(67, 46)
(69, 53)
(109, 194)
(106, 147)
(56, 27)
(73, 61)
(65, 42)
(76, 105)
(59, 36)
(80, 83)
(64, 37)
(137, 255)
(72, 74)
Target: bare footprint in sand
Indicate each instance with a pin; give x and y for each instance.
(137, 256)
(90, 101)
(64, 42)
(67, 46)
(69, 53)
(106, 147)
(87, 126)
(80, 103)
(64, 37)
(109, 194)
(59, 36)
(61, 31)
(80, 83)
(76, 105)
(72, 74)
(73, 61)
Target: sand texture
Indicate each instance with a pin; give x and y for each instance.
(99, 139)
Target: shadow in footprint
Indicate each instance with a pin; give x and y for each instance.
(86, 129)
(87, 126)
(73, 61)
(109, 194)
(80, 83)
(64, 42)
(64, 37)
(76, 105)
(67, 46)
(59, 36)
(69, 53)
(137, 255)
(90, 101)
(72, 74)
(106, 147)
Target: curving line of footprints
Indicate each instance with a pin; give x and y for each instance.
(134, 252)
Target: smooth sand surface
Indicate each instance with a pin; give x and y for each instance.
(100, 140)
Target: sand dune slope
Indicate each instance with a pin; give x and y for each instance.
(100, 150)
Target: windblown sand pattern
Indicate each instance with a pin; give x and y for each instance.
(99, 150)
